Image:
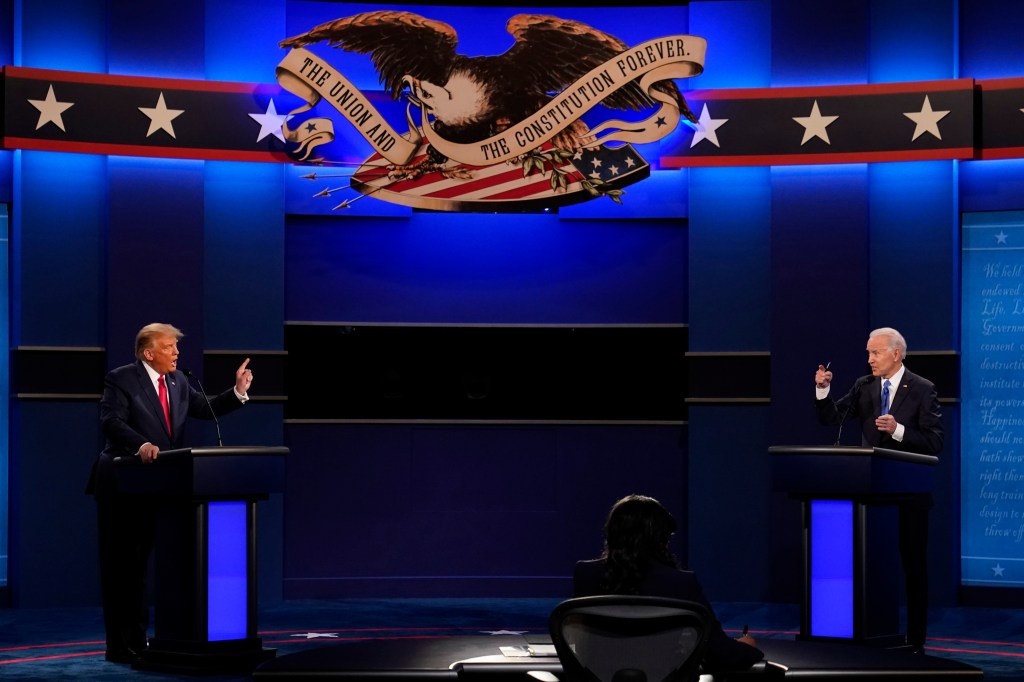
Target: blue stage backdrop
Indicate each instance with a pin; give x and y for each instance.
(770, 267)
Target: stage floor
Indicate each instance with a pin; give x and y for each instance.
(67, 643)
(480, 659)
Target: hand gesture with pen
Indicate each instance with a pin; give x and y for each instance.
(823, 377)
(746, 638)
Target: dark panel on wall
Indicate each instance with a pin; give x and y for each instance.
(942, 368)
(267, 367)
(491, 373)
(729, 377)
(39, 372)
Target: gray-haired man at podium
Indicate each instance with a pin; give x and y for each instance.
(143, 410)
(897, 410)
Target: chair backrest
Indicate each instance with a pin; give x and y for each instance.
(628, 638)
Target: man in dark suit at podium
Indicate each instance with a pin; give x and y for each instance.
(897, 410)
(142, 412)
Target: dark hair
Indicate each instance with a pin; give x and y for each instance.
(636, 535)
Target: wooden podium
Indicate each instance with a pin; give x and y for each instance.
(206, 591)
(852, 568)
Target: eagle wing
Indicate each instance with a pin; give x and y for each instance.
(554, 52)
(399, 44)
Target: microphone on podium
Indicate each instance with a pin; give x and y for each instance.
(188, 373)
(854, 395)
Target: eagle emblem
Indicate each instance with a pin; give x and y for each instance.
(489, 119)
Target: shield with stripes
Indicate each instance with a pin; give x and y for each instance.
(547, 177)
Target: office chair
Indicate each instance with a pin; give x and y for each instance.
(628, 638)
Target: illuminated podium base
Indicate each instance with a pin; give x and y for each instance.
(205, 615)
(852, 571)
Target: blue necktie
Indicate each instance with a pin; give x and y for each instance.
(885, 397)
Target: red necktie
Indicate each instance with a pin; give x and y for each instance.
(163, 402)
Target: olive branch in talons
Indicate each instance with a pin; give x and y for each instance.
(552, 160)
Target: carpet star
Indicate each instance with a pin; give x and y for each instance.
(315, 635)
(1001, 237)
(706, 128)
(926, 120)
(50, 110)
(815, 125)
(504, 632)
(997, 571)
(160, 117)
(270, 122)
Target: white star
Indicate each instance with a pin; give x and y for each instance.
(160, 117)
(630, 162)
(706, 127)
(50, 110)
(504, 632)
(614, 170)
(595, 175)
(315, 635)
(926, 120)
(595, 162)
(815, 124)
(997, 571)
(1001, 237)
(270, 122)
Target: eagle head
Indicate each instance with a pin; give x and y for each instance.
(464, 101)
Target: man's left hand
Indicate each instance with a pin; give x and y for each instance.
(886, 423)
(243, 378)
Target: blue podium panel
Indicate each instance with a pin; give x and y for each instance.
(831, 567)
(227, 575)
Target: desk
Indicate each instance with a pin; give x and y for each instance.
(387, 660)
(478, 659)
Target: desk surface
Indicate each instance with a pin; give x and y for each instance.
(441, 658)
(479, 658)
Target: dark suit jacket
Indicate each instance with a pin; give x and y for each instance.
(915, 405)
(723, 653)
(130, 415)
